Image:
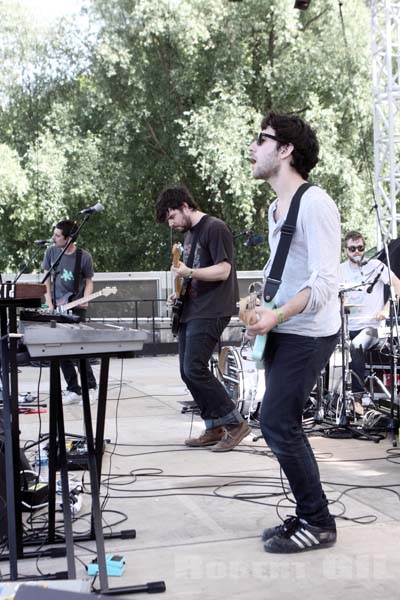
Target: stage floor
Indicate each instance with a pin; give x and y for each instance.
(198, 515)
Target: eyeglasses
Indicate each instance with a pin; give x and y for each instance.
(354, 248)
(261, 137)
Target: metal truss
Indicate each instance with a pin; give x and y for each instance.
(385, 16)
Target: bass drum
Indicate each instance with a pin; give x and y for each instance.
(242, 380)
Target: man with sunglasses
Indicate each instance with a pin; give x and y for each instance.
(366, 303)
(302, 328)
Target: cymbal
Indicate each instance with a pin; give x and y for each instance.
(353, 305)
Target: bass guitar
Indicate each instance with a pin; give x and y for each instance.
(63, 305)
(179, 289)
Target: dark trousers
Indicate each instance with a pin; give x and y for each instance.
(361, 341)
(68, 367)
(197, 340)
(71, 377)
(292, 366)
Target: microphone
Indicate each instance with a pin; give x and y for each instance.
(43, 242)
(254, 240)
(359, 262)
(371, 286)
(92, 209)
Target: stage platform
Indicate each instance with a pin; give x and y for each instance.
(198, 515)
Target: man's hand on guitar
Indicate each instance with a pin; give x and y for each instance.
(247, 313)
(171, 299)
(182, 270)
(267, 319)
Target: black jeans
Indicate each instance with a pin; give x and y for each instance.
(71, 377)
(197, 340)
(292, 365)
(68, 367)
(361, 341)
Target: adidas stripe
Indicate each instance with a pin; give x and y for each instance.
(304, 538)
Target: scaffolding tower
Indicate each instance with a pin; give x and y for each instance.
(385, 31)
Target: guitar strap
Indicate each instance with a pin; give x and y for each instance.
(274, 278)
(77, 273)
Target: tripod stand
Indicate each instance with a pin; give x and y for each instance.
(345, 402)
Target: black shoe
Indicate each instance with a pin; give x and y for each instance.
(296, 535)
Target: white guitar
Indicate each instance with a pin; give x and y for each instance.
(62, 307)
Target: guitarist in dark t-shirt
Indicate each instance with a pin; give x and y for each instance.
(209, 302)
(65, 288)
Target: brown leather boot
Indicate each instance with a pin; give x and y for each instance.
(209, 437)
(233, 436)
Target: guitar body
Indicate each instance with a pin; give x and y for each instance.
(64, 300)
(180, 290)
(260, 342)
(248, 315)
(177, 309)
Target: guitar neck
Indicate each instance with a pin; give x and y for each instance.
(176, 252)
(81, 300)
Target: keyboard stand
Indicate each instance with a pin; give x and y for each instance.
(11, 297)
(94, 454)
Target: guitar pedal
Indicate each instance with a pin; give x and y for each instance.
(115, 564)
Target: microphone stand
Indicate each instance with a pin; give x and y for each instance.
(247, 233)
(24, 266)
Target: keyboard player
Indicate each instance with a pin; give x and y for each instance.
(73, 280)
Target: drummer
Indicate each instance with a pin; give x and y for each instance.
(366, 304)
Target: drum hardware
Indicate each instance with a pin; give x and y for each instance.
(319, 412)
(189, 406)
(373, 378)
(345, 406)
(240, 377)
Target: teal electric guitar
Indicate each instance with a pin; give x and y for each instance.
(247, 315)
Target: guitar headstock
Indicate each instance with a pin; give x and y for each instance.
(249, 303)
(107, 291)
(177, 250)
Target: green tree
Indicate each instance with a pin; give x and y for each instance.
(153, 93)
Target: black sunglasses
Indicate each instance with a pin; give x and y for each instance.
(354, 248)
(261, 137)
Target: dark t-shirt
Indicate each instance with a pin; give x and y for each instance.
(66, 270)
(210, 299)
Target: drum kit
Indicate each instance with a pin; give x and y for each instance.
(350, 410)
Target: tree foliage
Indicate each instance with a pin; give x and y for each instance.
(142, 94)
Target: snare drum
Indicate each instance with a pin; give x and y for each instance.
(242, 380)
